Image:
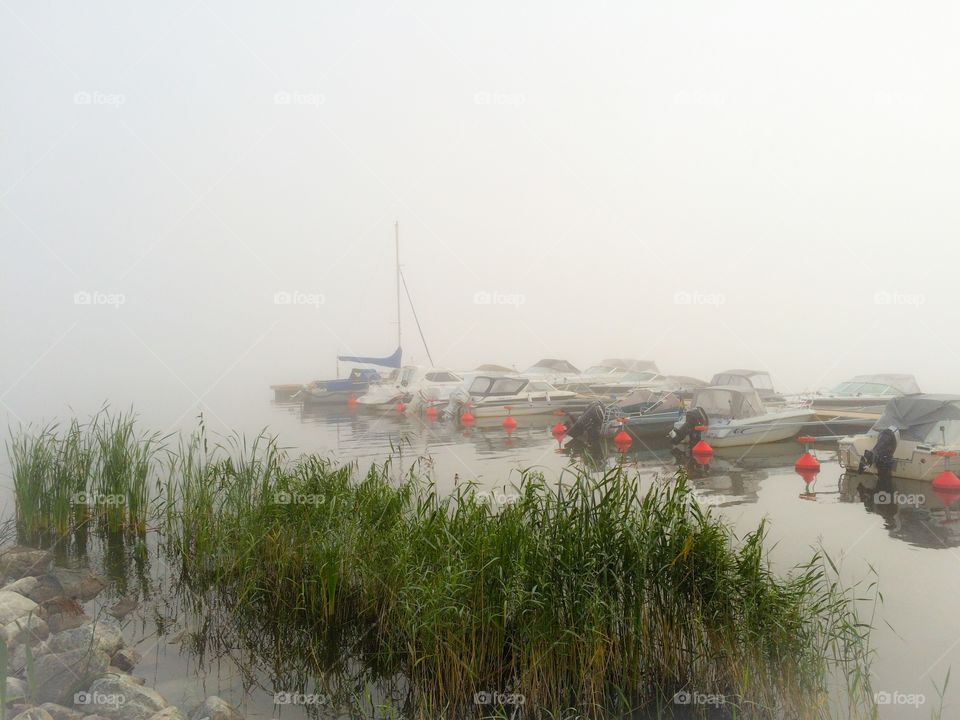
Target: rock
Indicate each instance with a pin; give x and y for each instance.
(116, 698)
(135, 679)
(64, 614)
(24, 586)
(17, 660)
(81, 585)
(126, 659)
(124, 607)
(103, 635)
(14, 606)
(169, 713)
(59, 676)
(34, 713)
(216, 708)
(16, 689)
(59, 712)
(94, 717)
(19, 561)
(30, 629)
(46, 588)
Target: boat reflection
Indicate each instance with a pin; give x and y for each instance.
(912, 510)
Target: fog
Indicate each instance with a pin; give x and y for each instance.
(708, 187)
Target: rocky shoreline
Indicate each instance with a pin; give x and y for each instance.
(60, 663)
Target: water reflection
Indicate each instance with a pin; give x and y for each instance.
(912, 511)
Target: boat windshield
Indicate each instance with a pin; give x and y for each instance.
(721, 402)
(497, 386)
(600, 370)
(853, 389)
(639, 377)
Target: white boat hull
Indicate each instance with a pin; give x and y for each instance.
(773, 427)
(912, 460)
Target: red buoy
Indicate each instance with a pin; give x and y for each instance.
(509, 422)
(702, 452)
(558, 430)
(432, 413)
(622, 440)
(947, 481)
(400, 408)
(467, 418)
(352, 402)
(807, 463)
(808, 476)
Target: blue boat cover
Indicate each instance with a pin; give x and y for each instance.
(392, 361)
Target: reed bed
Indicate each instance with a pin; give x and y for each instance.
(591, 595)
(65, 476)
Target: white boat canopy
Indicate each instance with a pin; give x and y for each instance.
(550, 364)
(882, 384)
(933, 419)
(758, 379)
(729, 401)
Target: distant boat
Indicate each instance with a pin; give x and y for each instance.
(736, 416)
(492, 396)
(759, 380)
(330, 392)
(864, 393)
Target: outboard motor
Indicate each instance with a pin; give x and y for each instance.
(457, 400)
(881, 457)
(590, 422)
(694, 417)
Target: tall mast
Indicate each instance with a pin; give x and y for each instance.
(396, 233)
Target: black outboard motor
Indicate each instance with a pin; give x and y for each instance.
(590, 423)
(694, 418)
(882, 458)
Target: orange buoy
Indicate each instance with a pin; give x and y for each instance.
(432, 413)
(558, 430)
(622, 440)
(509, 422)
(467, 418)
(352, 402)
(807, 463)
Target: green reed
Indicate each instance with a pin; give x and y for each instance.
(589, 594)
(61, 474)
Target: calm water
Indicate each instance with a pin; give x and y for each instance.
(912, 546)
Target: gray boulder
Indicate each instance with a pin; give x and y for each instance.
(19, 561)
(59, 676)
(126, 659)
(46, 588)
(16, 689)
(116, 698)
(24, 586)
(59, 712)
(169, 713)
(14, 606)
(34, 713)
(103, 635)
(81, 585)
(29, 629)
(216, 708)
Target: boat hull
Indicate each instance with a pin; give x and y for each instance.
(752, 431)
(912, 460)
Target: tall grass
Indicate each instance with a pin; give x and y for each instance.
(64, 476)
(593, 595)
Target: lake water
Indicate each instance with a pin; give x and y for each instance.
(912, 544)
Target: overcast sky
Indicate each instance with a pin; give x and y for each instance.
(752, 185)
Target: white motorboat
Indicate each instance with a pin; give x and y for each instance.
(552, 371)
(608, 371)
(925, 432)
(426, 384)
(759, 380)
(864, 393)
(496, 397)
(736, 416)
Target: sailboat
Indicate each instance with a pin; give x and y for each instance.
(369, 387)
